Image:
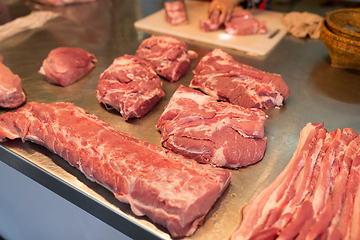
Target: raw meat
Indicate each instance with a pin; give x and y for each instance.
(197, 126)
(63, 2)
(11, 92)
(169, 56)
(220, 76)
(130, 85)
(65, 65)
(314, 197)
(175, 13)
(241, 23)
(171, 190)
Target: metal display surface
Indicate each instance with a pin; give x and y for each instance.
(318, 93)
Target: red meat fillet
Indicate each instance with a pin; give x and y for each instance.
(131, 86)
(220, 76)
(65, 65)
(314, 197)
(197, 126)
(11, 92)
(175, 13)
(169, 56)
(171, 190)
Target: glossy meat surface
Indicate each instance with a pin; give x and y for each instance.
(225, 135)
(171, 190)
(130, 85)
(220, 76)
(64, 65)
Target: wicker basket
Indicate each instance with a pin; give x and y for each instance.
(344, 52)
(345, 22)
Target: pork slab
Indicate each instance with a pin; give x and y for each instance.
(171, 190)
(131, 86)
(64, 65)
(220, 76)
(175, 13)
(197, 126)
(169, 56)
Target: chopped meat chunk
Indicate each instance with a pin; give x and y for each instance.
(175, 13)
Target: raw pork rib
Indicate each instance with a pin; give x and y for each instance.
(171, 190)
(175, 13)
(220, 76)
(316, 196)
(11, 92)
(241, 23)
(169, 56)
(63, 2)
(197, 126)
(65, 65)
(131, 86)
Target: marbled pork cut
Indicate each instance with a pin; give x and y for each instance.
(175, 13)
(11, 92)
(65, 65)
(63, 2)
(131, 86)
(171, 190)
(314, 197)
(220, 76)
(199, 127)
(169, 56)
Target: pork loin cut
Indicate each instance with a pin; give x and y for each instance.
(197, 126)
(130, 85)
(63, 2)
(175, 13)
(315, 196)
(220, 76)
(65, 65)
(171, 190)
(169, 56)
(11, 92)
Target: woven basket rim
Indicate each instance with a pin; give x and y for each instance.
(333, 25)
(327, 31)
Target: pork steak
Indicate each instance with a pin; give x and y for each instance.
(169, 56)
(11, 92)
(130, 85)
(64, 65)
(220, 76)
(197, 126)
(175, 13)
(171, 190)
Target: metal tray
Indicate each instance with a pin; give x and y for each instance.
(318, 93)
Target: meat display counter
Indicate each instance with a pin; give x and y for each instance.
(318, 93)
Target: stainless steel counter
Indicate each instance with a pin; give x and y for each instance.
(319, 93)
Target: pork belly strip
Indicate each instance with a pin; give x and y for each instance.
(65, 65)
(197, 126)
(131, 86)
(220, 76)
(268, 205)
(171, 190)
(175, 13)
(11, 92)
(169, 56)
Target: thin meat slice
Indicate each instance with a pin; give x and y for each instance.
(169, 56)
(197, 126)
(63, 2)
(11, 92)
(220, 76)
(131, 86)
(269, 203)
(175, 13)
(64, 65)
(171, 190)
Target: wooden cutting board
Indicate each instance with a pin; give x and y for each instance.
(258, 44)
